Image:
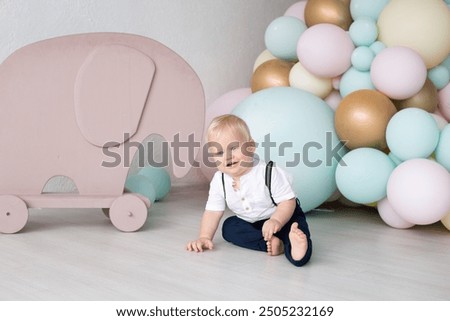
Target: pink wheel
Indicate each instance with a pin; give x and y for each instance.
(128, 213)
(13, 214)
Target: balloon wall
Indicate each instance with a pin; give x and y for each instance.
(370, 74)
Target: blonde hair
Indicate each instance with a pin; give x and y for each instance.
(228, 122)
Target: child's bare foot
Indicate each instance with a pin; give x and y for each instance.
(299, 243)
(275, 246)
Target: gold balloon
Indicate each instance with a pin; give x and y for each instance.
(427, 98)
(362, 117)
(272, 73)
(346, 2)
(335, 12)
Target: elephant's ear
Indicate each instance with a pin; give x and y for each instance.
(110, 93)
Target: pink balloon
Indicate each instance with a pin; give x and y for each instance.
(333, 99)
(297, 10)
(398, 72)
(444, 101)
(418, 191)
(390, 217)
(221, 106)
(225, 103)
(325, 50)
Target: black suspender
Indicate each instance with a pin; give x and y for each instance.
(268, 179)
(223, 184)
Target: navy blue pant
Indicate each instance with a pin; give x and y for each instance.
(249, 235)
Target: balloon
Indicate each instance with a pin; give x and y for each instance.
(443, 148)
(439, 75)
(282, 35)
(297, 10)
(325, 50)
(159, 178)
(333, 99)
(446, 221)
(262, 58)
(426, 99)
(334, 197)
(446, 63)
(377, 47)
(327, 11)
(301, 78)
(444, 101)
(294, 128)
(390, 217)
(362, 58)
(363, 31)
(412, 133)
(395, 159)
(362, 117)
(272, 73)
(141, 185)
(353, 80)
(367, 8)
(363, 174)
(225, 104)
(419, 25)
(441, 121)
(398, 72)
(418, 191)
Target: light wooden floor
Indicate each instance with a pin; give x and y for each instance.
(79, 255)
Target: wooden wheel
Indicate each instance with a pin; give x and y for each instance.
(13, 214)
(128, 213)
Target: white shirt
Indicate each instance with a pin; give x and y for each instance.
(252, 201)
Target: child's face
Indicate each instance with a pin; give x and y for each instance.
(231, 153)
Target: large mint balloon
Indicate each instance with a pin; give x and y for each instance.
(295, 129)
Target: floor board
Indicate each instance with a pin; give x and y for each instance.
(78, 255)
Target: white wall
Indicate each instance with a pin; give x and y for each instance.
(220, 39)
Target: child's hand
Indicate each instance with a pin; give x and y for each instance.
(199, 245)
(270, 227)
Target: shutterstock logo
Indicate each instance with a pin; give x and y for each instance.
(183, 152)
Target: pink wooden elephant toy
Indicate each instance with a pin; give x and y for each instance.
(67, 104)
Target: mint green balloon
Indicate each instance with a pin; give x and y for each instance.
(281, 37)
(295, 129)
(159, 178)
(443, 148)
(397, 161)
(363, 31)
(362, 58)
(367, 8)
(363, 175)
(439, 76)
(412, 133)
(377, 47)
(353, 80)
(141, 185)
(446, 63)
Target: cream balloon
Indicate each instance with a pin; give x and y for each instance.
(421, 25)
(446, 221)
(262, 58)
(301, 78)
